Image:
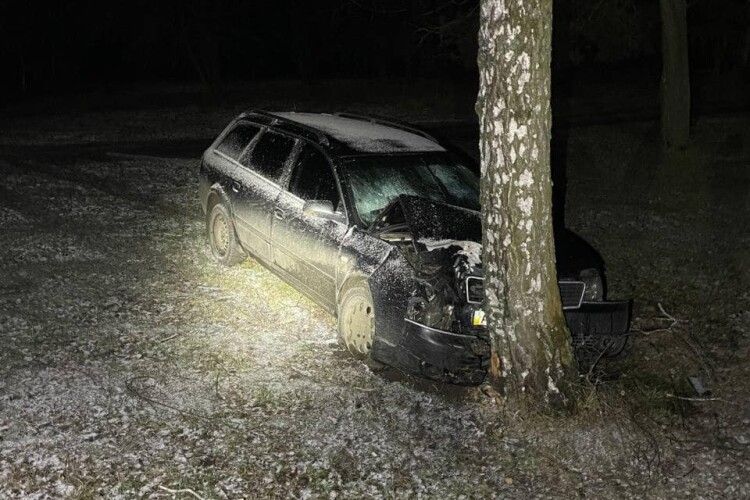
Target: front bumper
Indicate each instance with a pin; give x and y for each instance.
(464, 359)
(441, 355)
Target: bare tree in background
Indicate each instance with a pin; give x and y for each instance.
(675, 75)
(532, 358)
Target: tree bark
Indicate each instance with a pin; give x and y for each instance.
(675, 75)
(531, 350)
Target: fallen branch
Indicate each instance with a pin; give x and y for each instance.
(183, 490)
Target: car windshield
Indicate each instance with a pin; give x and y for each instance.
(376, 180)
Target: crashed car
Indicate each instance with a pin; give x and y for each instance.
(380, 224)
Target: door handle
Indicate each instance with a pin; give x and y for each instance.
(278, 213)
(235, 186)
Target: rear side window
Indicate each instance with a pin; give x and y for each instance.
(237, 139)
(312, 177)
(269, 155)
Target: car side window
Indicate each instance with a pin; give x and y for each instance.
(312, 177)
(269, 155)
(237, 139)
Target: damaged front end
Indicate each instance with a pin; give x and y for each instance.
(450, 331)
(444, 332)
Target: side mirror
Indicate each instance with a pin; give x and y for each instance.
(322, 209)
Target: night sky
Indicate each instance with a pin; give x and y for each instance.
(48, 47)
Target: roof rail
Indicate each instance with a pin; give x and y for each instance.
(389, 123)
(317, 134)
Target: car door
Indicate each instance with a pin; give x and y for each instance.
(306, 246)
(256, 190)
(224, 156)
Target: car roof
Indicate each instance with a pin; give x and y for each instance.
(347, 134)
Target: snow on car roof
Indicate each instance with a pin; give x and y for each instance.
(364, 136)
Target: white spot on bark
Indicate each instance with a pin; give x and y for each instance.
(536, 283)
(516, 130)
(526, 179)
(525, 76)
(525, 205)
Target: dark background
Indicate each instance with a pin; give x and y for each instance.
(131, 362)
(53, 47)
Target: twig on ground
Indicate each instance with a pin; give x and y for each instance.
(686, 398)
(685, 338)
(328, 382)
(301, 372)
(651, 461)
(596, 361)
(561, 463)
(364, 389)
(665, 316)
(183, 490)
(185, 413)
(665, 313)
(174, 336)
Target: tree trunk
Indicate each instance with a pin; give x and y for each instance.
(675, 75)
(531, 351)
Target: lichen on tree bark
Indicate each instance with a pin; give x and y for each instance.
(532, 355)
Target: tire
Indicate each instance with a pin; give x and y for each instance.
(356, 320)
(222, 238)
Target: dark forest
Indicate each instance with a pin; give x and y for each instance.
(375, 249)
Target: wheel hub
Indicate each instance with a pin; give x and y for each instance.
(221, 234)
(358, 325)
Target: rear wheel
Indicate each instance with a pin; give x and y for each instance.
(222, 237)
(356, 320)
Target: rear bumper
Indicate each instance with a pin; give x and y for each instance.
(464, 359)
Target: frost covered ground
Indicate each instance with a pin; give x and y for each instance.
(131, 363)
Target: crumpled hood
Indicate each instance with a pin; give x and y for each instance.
(428, 219)
(435, 224)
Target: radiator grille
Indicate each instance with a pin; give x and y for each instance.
(571, 292)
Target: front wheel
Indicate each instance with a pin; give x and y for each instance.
(356, 320)
(222, 238)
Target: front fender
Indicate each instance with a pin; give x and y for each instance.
(359, 256)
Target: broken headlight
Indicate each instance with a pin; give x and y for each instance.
(430, 306)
